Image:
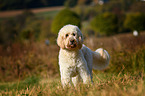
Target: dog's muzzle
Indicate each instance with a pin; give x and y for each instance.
(72, 44)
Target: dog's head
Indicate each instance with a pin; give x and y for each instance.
(70, 37)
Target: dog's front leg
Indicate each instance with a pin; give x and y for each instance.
(75, 80)
(65, 78)
(84, 73)
(65, 82)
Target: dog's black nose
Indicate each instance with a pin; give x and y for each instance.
(72, 42)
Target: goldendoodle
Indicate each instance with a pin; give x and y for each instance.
(76, 61)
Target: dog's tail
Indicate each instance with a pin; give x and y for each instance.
(101, 59)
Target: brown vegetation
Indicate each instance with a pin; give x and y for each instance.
(19, 61)
(119, 42)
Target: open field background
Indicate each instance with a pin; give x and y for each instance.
(39, 64)
(4, 14)
(29, 65)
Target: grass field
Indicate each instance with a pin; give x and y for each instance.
(4, 14)
(33, 70)
(104, 85)
(47, 14)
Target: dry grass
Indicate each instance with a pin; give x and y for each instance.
(39, 59)
(104, 85)
(117, 42)
(19, 61)
(33, 68)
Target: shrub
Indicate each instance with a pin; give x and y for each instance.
(105, 24)
(46, 32)
(31, 30)
(66, 16)
(14, 28)
(135, 21)
(7, 31)
(85, 12)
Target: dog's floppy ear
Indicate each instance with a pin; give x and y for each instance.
(80, 37)
(80, 42)
(60, 41)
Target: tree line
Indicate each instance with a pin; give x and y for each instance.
(27, 4)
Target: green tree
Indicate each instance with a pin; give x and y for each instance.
(135, 21)
(124, 5)
(70, 3)
(105, 24)
(65, 17)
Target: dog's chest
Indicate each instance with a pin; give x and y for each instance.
(69, 59)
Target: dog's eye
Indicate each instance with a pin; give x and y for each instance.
(66, 35)
(73, 34)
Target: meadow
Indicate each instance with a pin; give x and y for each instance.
(104, 85)
(33, 69)
(29, 66)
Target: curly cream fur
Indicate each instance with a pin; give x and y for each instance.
(75, 59)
